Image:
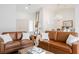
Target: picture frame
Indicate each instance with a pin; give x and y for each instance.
(68, 23)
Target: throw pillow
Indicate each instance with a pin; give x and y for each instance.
(26, 36)
(71, 39)
(45, 36)
(6, 38)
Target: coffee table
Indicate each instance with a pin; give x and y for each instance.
(25, 50)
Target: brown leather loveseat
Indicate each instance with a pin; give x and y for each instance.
(57, 43)
(16, 44)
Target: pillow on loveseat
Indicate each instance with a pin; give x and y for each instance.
(6, 38)
(26, 36)
(71, 39)
(45, 36)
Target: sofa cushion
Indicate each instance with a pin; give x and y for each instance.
(26, 42)
(52, 35)
(43, 44)
(12, 44)
(62, 36)
(12, 34)
(60, 46)
(19, 35)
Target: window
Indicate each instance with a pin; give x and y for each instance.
(30, 26)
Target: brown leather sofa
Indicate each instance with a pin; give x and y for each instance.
(57, 43)
(16, 44)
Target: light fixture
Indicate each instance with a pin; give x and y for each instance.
(26, 7)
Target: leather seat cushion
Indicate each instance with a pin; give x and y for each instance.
(61, 46)
(26, 42)
(12, 44)
(43, 44)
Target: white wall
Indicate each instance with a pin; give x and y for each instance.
(50, 20)
(22, 21)
(14, 18)
(7, 17)
(77, 18)
(46, 19)
(63, 15)
(22, 18)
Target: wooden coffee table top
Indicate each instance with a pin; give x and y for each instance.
(25, 50)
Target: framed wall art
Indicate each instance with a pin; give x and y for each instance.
(68, 23)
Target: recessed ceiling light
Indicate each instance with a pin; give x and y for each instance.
(26, 8)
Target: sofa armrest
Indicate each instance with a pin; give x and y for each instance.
(75, 47)
(1, 46)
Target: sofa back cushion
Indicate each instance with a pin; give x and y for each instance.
(62, 36)
(19, 35)
(52, 35)
(12, 34)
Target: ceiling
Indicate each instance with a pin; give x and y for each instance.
(35, 7)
